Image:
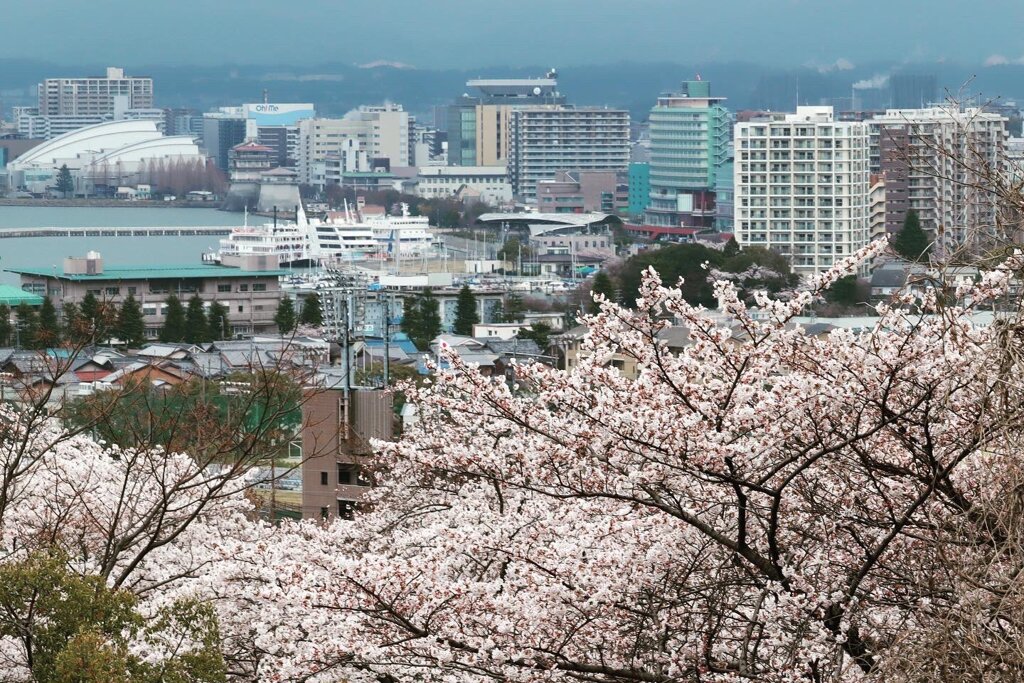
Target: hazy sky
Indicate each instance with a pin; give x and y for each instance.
(475, 33)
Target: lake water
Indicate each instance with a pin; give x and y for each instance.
(50, 251)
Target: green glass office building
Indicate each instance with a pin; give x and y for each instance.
(690, 149)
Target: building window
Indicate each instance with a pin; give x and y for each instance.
(131, 291)
(240, 308)
(243, 288)
(224, 288)
(325, 513)
(347, 509)
(259, 287)
(111, 291)
(323, 479)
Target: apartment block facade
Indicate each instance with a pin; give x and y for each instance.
(96, 96)
(381, 132)
(479, 122)
(802, 187)
(935, 161)
(546, 140)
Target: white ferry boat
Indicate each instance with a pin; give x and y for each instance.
(342, 238)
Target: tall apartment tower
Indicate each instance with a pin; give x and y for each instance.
(802, 186)
(689, 156)
(935, 161)
(95, 96)
(546, 140)
(478, 123)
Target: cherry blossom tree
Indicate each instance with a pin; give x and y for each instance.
(155, 524)
(766, 506)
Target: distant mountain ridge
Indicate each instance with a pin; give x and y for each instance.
(335, 88)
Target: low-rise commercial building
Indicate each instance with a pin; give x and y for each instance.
(250, 293)
(584, 191)
(487, 184)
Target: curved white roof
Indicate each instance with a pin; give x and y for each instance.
(173, 146)
(89, 141)
(554, 220)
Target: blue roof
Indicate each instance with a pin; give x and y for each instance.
(169, 272)
(398, 339)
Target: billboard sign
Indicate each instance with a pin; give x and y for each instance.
(278, 114)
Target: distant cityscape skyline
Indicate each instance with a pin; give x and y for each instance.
(826, 36)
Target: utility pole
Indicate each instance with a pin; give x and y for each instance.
(387, 341)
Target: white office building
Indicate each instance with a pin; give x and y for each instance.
(487, 184)
(802, 187)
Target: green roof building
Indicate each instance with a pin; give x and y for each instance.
(250, 293)
(15, 296)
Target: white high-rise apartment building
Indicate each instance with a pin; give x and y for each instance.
(382, 131)
(802, 186)
(548, 139)
(96, 96)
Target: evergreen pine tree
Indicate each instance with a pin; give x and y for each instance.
(911, 242)
(131, 327)
(90, 317)
(196, 327)
(411, 321)
(732, 247)
(174, 323)
(48, 332)
(514, 310)
(465, 312)
(27, 326)
(218, 327)
(602, 284)
(430, 318)
(285, 316)
(6, 329)
(65, 183)
(311, 313)
(72, 323)
(539, 332)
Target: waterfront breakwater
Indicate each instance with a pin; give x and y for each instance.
(176, 231)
